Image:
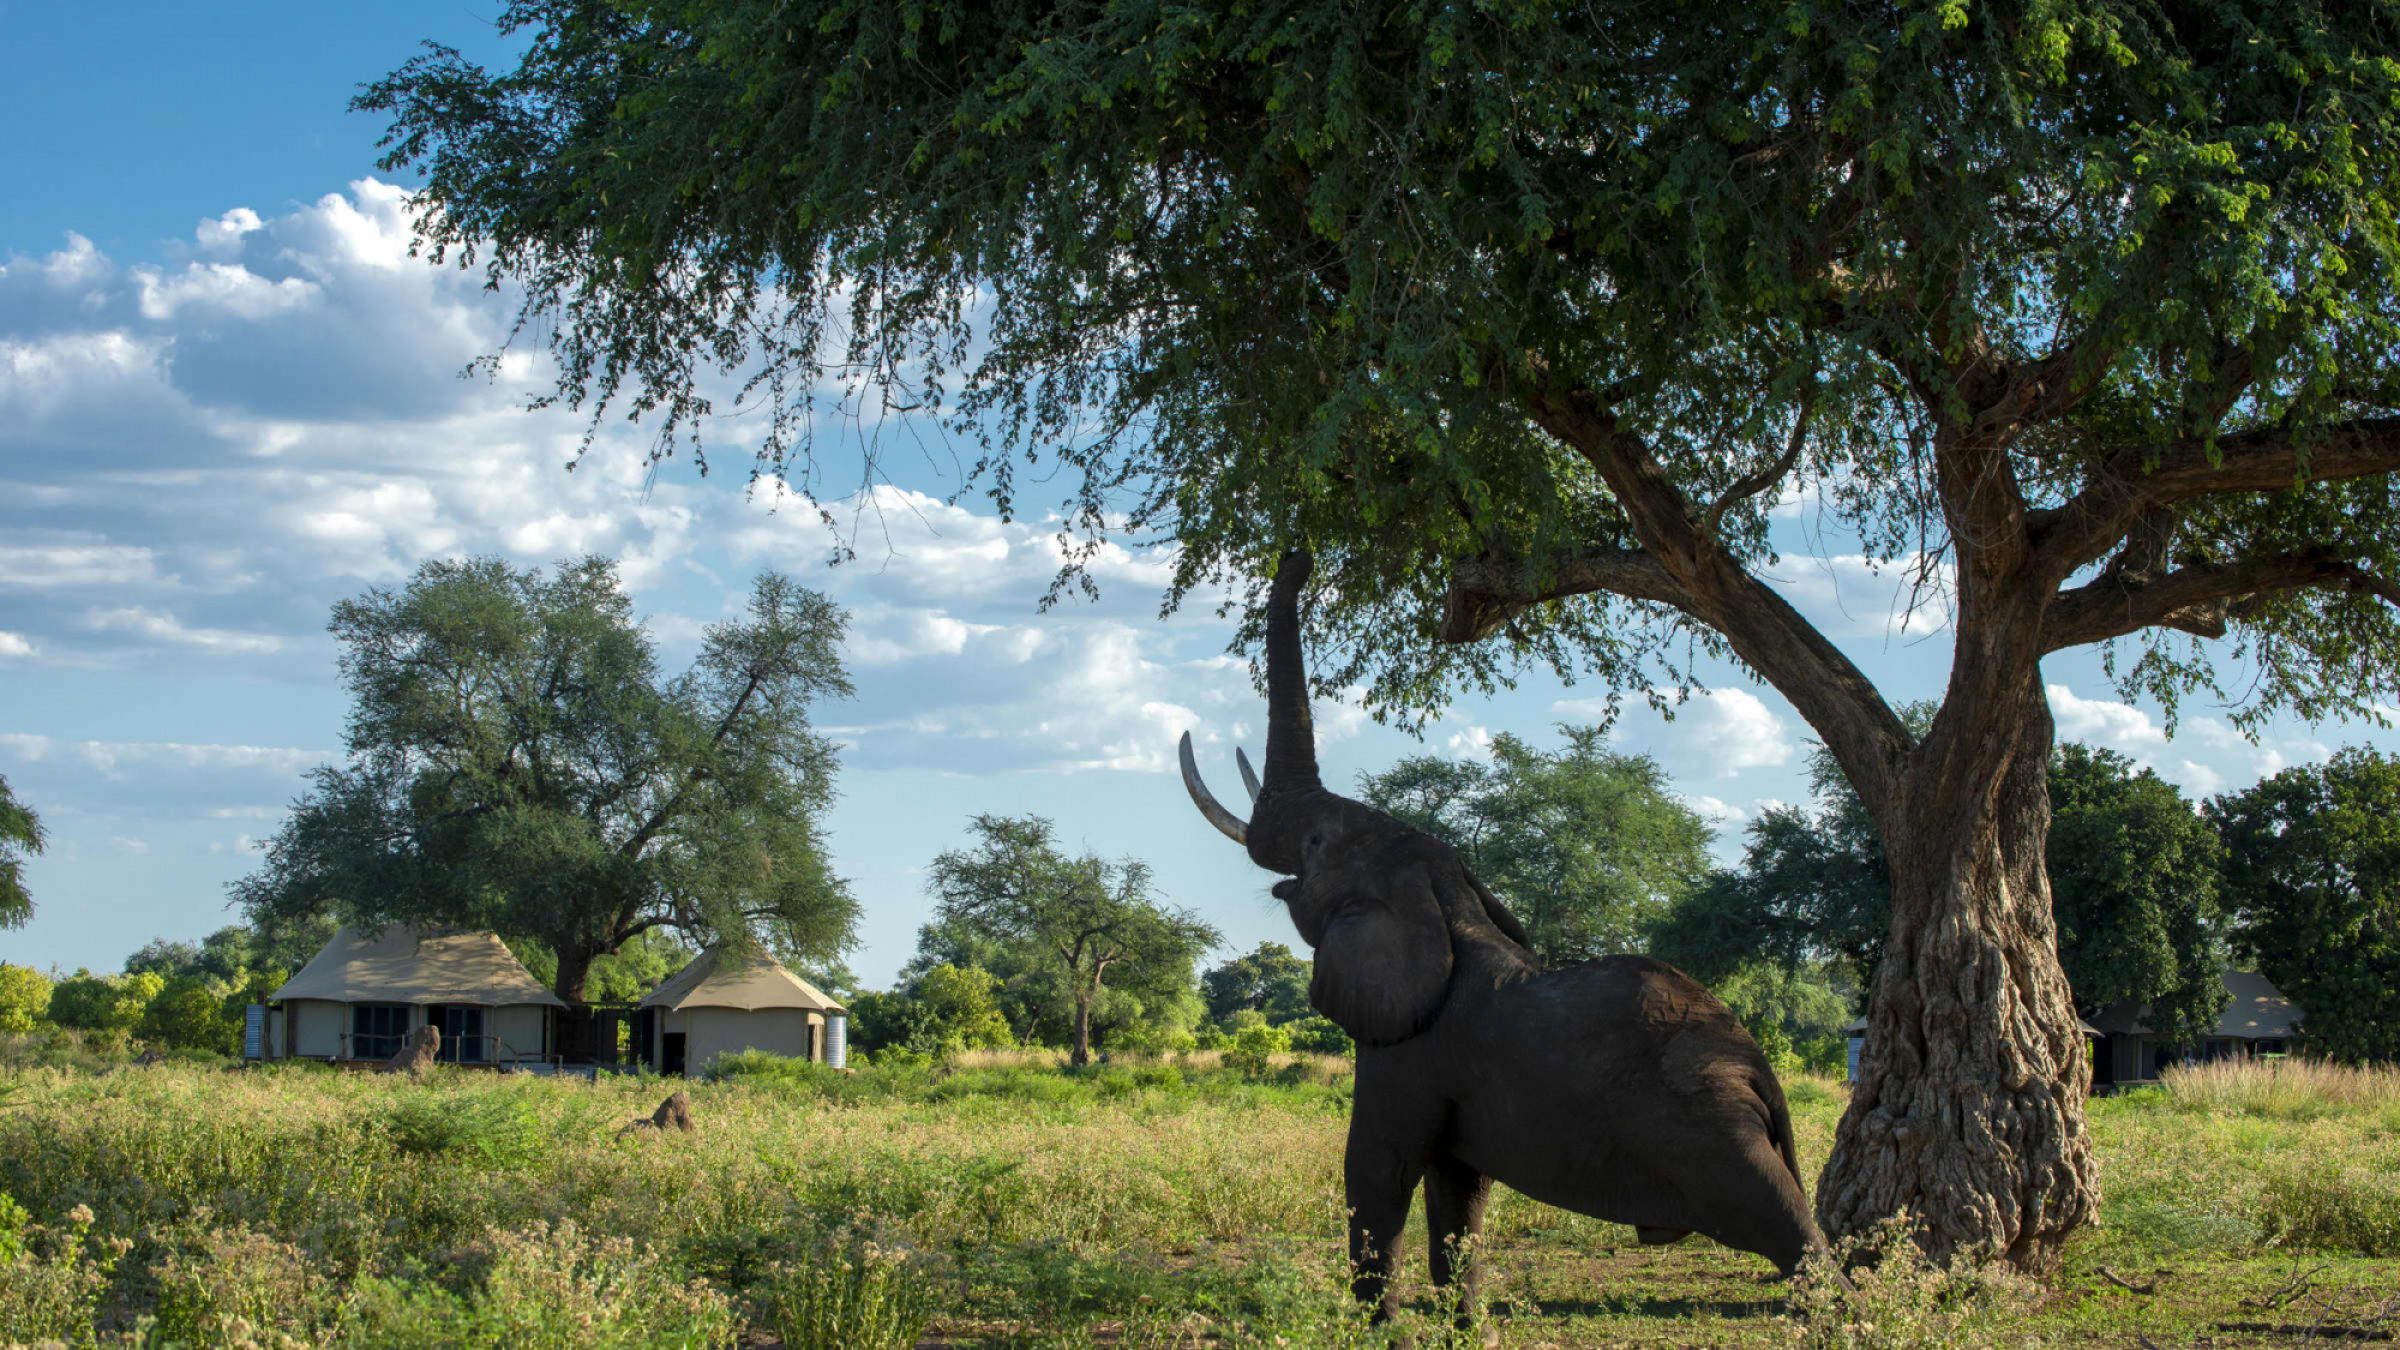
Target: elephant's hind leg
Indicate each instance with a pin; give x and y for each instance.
(1455, 1196)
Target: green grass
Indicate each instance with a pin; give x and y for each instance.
(1020, 1204)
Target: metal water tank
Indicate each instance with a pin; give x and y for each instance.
(837, 1040)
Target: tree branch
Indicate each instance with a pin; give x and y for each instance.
(2265, 459)
(2201, 599)
(1703, 580)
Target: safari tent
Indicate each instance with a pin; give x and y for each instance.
(360, 997)
(2258, 1020)
(725, 1002)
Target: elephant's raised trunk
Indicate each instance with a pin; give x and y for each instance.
(1291, 740)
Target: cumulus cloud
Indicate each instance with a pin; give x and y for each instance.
(158, 627)
(14, 646)
(1851, 595)
(1716, 734)
(1473, 742)
(117, 759)
(227, 288)
(71, 564)
(2229, 759)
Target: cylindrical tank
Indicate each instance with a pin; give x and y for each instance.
(837, 1040)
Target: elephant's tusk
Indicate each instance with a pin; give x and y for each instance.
(1249, 775)
(1218, 816)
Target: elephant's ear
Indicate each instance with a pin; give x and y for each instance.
(1383, 965)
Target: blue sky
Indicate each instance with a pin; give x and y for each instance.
(228, 399)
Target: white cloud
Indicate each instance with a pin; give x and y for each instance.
(1715, 810)
(129, 845)
(2227, 758)
(228, 288)
(226, 231)
(1473, 742)
(50, 566)
(1718, 733)
(115, 759)
(14, 646)
(155, 626)
(1851, 595)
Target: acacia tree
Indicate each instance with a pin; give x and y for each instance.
(517, 762)
(1588, 846)
(20, 834)
(1085, 917)
(1520, 316)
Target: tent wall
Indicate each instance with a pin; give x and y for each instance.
(710, 1032)
(317, 1029)
(519, 1027)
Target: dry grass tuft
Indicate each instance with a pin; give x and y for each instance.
(2283, 1089)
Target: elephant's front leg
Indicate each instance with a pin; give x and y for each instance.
(1377, 1181)
(1455, 1195)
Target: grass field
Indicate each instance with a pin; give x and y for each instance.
(1016, 1204)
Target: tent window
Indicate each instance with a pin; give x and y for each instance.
(376, 1029)
(462, 1033)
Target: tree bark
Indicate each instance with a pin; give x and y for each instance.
(1082, 1053)
(1968, 1113)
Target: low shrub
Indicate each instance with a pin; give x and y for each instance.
(546, 1288)
(853, 1294)
(1897, 1299)
(51, 1279)
(2281, 1089)
(1255, 1048)
(2333, 1205)
(236, 1287)
(494, 1129)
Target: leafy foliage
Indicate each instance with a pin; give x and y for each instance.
(88, 1002)
(2313, 876)
(1269, 979)
(20, 835)
(1072, 919)
(24, 997)
(941, 1012)
(516, 763)
(1585, 844)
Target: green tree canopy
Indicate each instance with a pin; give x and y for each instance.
(1091, 925)
(1586, 845)
(1521, 316)
(2312, 875)
(20, 835)
(24, 997)
(516, 762)
(89, 1002)
(1269, 979)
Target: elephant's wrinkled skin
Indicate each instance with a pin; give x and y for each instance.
(1618, 1088)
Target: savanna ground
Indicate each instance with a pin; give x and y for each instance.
(999, 1203)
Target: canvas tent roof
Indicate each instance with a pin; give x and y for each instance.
(2259, 1012)
(412, 965)
(718, 978)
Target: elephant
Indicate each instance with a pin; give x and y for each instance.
(1620, 1088)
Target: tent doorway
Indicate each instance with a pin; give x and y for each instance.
(670, 1057)
(461, 1025)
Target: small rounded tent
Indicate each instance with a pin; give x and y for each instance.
(359, 998)
(725, 1002)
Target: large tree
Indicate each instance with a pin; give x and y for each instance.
(1269, 979)
(20, 835)
(1086, 921)
(1587, 845)
(518, 762)
(2313, 878)
(1522, 316)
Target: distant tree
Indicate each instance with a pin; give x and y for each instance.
(1586, 845)
(20, 836)
(1319, 1035)
(962, 1011)
(24, 997)
(163, 956)
(192, 1012)
(2312, 874)
(1268, 978)
(2133, 878)
(622, 976)
(89, 1002)
(1089, 920)
(517, 763)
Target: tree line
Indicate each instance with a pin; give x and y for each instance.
(516, 761)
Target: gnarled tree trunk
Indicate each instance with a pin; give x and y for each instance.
(1968, 1112)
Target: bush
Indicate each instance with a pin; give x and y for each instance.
(855, 1295)
(546, 1288)
(237, 1287)
(1319, 1036)
(2333, 1205)
(51, 1280)
(1899, 1300)
(492, 1128)
(24, 997)
(88, 1002)
(1255, 1047)
(189, 1014)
